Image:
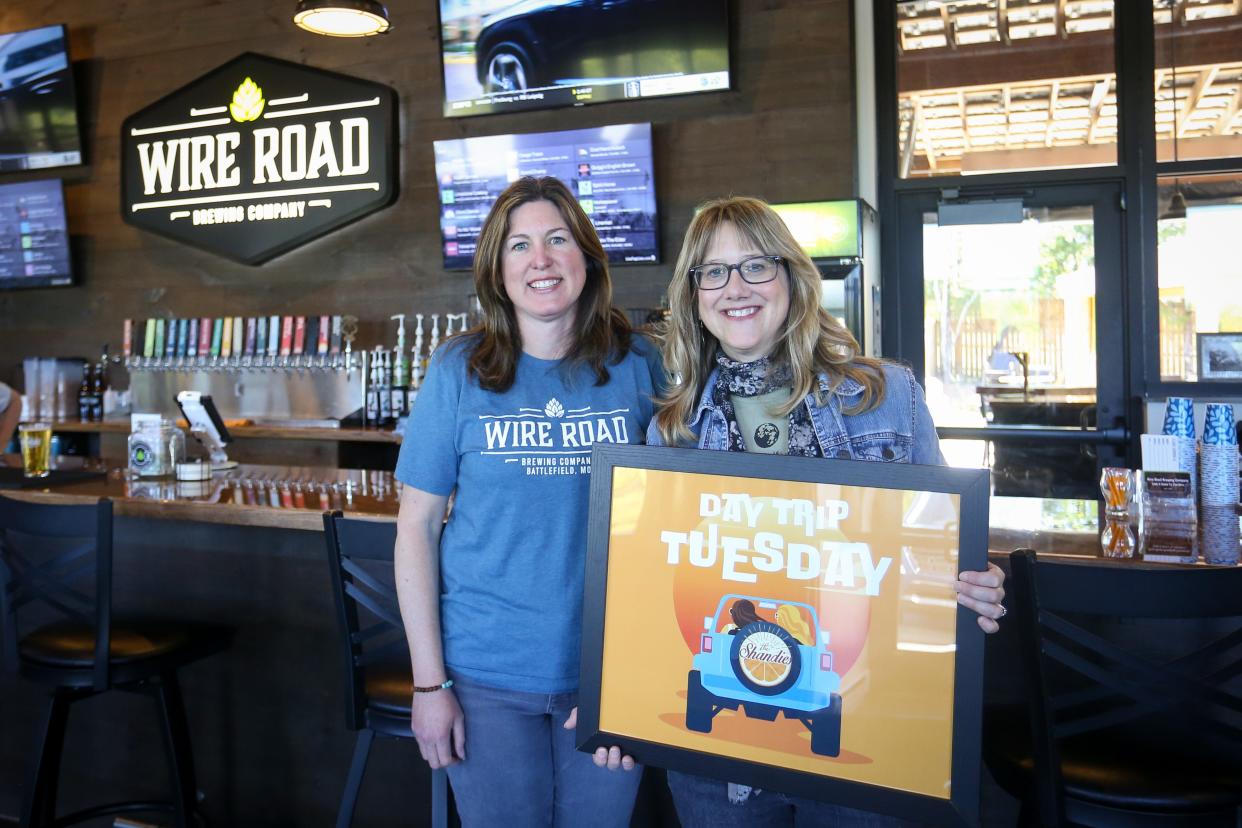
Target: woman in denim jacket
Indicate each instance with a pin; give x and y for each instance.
(758, 365)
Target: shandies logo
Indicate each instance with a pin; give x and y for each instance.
(258, 157)
(765, 658)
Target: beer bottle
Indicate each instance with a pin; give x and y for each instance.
(84, 394)
(372, 397)
(385, 387)
(104, 380)
(101, 386)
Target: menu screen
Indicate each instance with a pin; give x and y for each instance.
(609, 169)
(34, 238)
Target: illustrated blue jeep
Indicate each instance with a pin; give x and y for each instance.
(766, 657)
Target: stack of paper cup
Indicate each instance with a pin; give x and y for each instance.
(1179, 421)
(1218, 485)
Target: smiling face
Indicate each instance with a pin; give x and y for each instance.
(544, 268)
(747, 319)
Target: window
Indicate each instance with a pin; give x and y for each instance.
(1198, 83)
(1200, 273)
(988, 85)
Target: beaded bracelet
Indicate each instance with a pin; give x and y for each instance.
(433, 688)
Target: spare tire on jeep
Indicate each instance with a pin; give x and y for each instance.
(765, 658)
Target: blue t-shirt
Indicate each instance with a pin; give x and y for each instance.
(512, 553)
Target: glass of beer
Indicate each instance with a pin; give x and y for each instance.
(36, 440)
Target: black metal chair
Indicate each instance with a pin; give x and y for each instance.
(57, 628)
(378, 683)
(1134, 678)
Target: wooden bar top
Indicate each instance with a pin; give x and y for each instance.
(295, 497)
(248, 431)
(283, 497)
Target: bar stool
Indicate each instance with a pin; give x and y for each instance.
(1134, 709)
(375, 658)
(57, 628)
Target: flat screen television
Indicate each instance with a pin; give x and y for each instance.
(609, 168)
(34, 236)
(824, 229)
(38, 107)
(501, 56)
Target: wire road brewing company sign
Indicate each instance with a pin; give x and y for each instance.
(258, 157)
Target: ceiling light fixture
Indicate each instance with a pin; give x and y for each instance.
(1177, 206)
(342, 18)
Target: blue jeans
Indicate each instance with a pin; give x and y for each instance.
(522, 768)
(704, 803)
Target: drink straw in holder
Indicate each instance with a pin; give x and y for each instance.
(1117, 540)
(1116, 485)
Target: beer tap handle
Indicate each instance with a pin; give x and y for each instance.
(349, 330)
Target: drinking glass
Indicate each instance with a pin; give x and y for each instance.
(36, 440)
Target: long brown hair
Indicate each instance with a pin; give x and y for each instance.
(812, 342)
(601, 332)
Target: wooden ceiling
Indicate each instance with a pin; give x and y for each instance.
(1025, 122)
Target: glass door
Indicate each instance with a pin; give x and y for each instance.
(1020, 336)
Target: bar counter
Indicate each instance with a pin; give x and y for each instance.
(248, 431)
(277, 497)
(307, 443)
(294, 497)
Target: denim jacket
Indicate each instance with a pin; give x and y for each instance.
(898, 430)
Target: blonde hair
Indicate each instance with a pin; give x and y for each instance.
(812, 343)
(787, 616)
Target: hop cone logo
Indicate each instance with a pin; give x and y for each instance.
(554, 408)
(247, 102)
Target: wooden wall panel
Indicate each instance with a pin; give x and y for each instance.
(785, 133)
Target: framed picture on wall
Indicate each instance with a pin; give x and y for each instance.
(788, 623)
(1220, 355)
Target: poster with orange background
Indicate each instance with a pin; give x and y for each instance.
(805, 625)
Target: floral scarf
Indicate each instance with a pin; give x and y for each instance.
(752, 379)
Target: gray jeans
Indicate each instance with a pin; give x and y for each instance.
(522, 769)
(704, 803)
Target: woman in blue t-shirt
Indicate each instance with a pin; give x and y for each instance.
(765, 368)
(491, 598)
(10, 413)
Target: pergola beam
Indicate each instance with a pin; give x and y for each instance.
(961, 108)
(1202, 83)
(950, 34)
(1231, 112)
(907, 151)
(928, 149)
(1050, 128)
(1098, 95)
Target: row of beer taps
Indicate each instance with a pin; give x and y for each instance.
(347, 361)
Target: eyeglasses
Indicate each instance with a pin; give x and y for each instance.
(754, 271)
